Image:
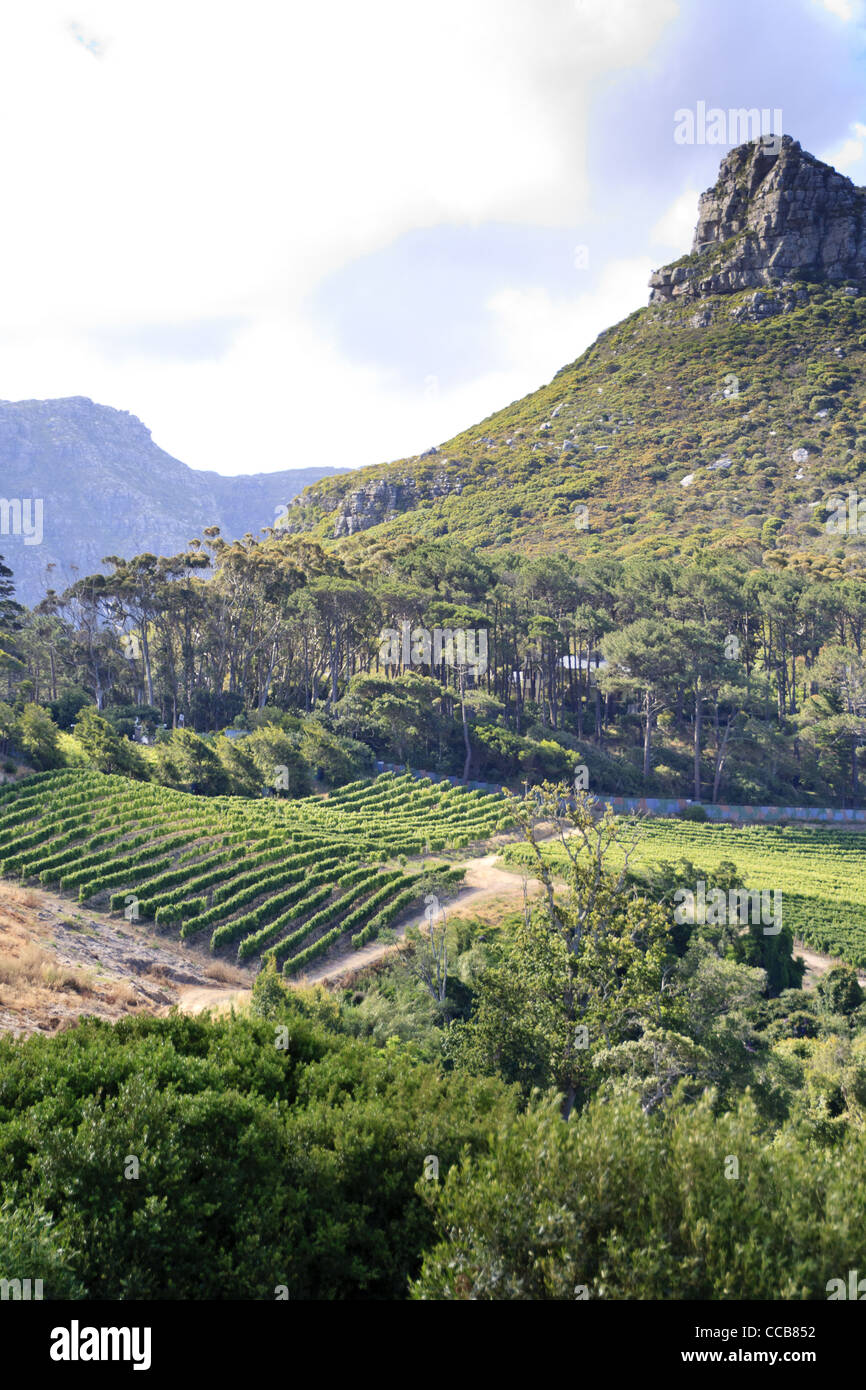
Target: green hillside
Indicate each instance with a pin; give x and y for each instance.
(726, 414)
(642, 409)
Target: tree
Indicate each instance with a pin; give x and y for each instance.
(32, 1246)
(132, 595)
(239, 765)
(840, 990)
(278, 758)
(11, 615)
(11, 612)
(618, 1204)
(428, 959)
(835, 719)
(581, 972)
(645, 658)
(772, 952)
(66, 709)
(188, 763)
(334, 757)
(39, 738)
(106, 749)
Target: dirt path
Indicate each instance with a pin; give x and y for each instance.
(817, 964)
(485, 883)
(196, 998)
(58, 960)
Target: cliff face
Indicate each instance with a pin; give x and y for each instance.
(770, 219)
(107, 489)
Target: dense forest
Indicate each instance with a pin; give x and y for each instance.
(720, 677)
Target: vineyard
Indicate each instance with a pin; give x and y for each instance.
(267, 879)
(819, 872)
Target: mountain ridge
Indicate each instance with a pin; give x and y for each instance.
(773, 215)
(70, 450)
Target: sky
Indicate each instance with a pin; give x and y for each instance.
(288, 235)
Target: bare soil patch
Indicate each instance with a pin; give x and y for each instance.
(59, 960)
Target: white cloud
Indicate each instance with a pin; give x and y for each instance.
(675, 228)
(848, 156)
(846, 10)
(295, 402)
(542, 334)
(177, 163)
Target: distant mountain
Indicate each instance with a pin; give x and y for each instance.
(727, 414)
(106, 489)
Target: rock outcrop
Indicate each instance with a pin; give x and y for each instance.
(772, 218)
(368, 506)
(386, 498)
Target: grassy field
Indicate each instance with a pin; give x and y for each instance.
(821, 873)
(261, 879)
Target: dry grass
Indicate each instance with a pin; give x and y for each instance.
(13, 895)
(226, 974)
(24, 963)
(120, 992)
(160, 972)
(21, 965)
(39, 992)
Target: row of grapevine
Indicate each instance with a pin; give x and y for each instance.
(237, 927)
(336, 909)
(249, 886)
(269, 874)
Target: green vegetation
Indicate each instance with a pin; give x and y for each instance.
(648, 404)
(746, 684)
(600, 1096)
(584, 1101)
(818, 873)
(264, 873)
(249, 1177)
(730, 611)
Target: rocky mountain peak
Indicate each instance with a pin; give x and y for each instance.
(775, 214)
